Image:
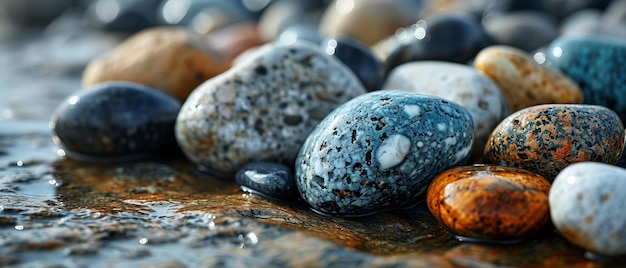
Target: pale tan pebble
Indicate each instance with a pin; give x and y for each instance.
(523, 81)
(170, 59)
(367, 21)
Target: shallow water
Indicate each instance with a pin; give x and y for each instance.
(58, 211)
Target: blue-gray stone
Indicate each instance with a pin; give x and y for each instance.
(597, 65)
(116, 121)
(380, 151)
(266, 178)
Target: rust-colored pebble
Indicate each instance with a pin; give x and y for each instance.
(170, 59)
(490, 202)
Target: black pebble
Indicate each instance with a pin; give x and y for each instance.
(454, 37)
(271, 179)
(116, 121)
(359, 58)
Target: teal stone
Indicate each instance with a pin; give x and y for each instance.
(597, 65)
(380, 151)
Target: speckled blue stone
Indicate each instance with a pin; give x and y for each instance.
(380, 151)
(266, 178)
(359, 58)
(597, 65)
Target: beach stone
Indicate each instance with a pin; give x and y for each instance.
(282, 14)
(359, 58)
(459, 83)
(523, 81)
(368, 21)
(124, 15)
(488, 202)
(380, 151)
(170, 59)
(597, 66)
(271, 179)
(587, 207)
(547, 138)
(116, 121)
(453, 37)
(514, 28)
(263, 108)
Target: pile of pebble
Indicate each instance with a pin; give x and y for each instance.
(504, 116)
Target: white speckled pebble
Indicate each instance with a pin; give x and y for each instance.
(380, 151)
(587, 206)
(263, 108)
(459, 83)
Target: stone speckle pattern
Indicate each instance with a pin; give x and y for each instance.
(524, 82)
(490, 202)
(263, 108)
(115, 121)
(459, 83)
(380, 151)
(547, 138)
(587, 207)
(597, 65)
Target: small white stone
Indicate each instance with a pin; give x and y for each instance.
(393, 151)
(587, 206)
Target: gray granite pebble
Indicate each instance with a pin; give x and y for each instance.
(263, 108)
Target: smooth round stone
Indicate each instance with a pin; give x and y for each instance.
(380, 151)
(486, 202)
(513, 29)
(597, 65)
(368, 21)
(116, 121)
(263, 108)
(359, 58)
(459, 83)
(453, 37)
(282, 14)
(523, 81)
(587, 207)
(271, 179)
(547, 138)
(170, 59)
(124, 15)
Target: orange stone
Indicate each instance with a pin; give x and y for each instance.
(170, 59)
(523, 81)
(490, 202)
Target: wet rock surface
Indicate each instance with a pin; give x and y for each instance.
(57, 212)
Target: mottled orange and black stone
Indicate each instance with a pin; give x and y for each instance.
(490, 202)
(547, 138)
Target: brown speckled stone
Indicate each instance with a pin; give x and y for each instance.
(490, 202)
(547, 138)
(170, 59)
(524, 82)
